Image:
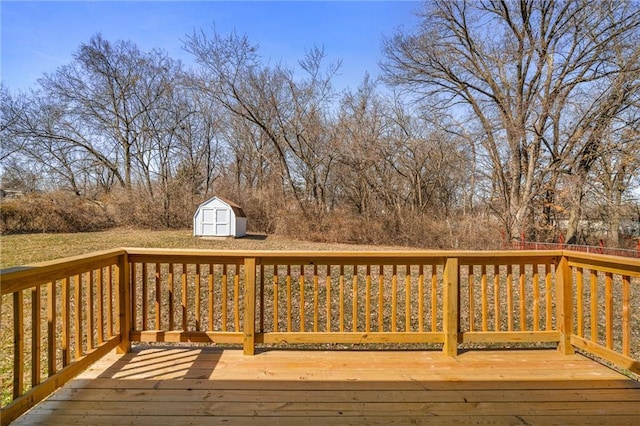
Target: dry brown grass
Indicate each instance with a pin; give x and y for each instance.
(29, 248)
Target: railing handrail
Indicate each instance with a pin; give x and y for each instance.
(600, 249)
(623, 265)
(23, 277)
(336, 254)
(53, 265)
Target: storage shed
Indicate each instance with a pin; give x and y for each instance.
(219, 217)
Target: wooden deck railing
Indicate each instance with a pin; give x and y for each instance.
(606, 302)
(63, 316)
(81, 308)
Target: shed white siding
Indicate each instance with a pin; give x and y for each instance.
(218, 217)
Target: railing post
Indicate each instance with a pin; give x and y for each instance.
(124, 303)
(451, 306)
(249, 321)
(564, 305)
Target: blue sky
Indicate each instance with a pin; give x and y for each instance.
(38, 37)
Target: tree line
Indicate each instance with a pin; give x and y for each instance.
(490, 117)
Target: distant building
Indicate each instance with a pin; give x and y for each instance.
(10, 193)
(219, 217)
(600, 228)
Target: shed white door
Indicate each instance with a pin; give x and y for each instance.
(222, 222)
(208, 221)
(215, 221)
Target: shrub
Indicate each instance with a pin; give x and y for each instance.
(52, 212)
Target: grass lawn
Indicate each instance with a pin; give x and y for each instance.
(29, 248)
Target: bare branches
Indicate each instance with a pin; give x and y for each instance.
(291, 113)
(521, 68)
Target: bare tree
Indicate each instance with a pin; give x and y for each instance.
(109, 95)
(517, 67)
(431, 162)
(615, 169)
(289, 112)
(599, 125)
(11, 112)
(40, 140)
(360, 138)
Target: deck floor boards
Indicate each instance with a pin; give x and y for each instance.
(179, 385)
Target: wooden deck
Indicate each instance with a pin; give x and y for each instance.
(180, 385)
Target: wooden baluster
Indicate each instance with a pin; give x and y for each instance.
(211, 297)
(472, 301)
(184, 298)
(171, 301)
(289, 300)
(134, 297)
(262, 306)
(394, 298)
(341, 283)
(18, 343)
(302, 316)
(536, 297)
(328, 285)
(407, 299)
(236, 298)
(626, 315)
(125, 302)
(523, 297)
(354, 310)
(198, 298)
(158, 303)
(66, 320)
(77, 329)
(276, 291)
(224, 297)
(608, 285)
(52, 300)
(496, 298)
(100, 310)
(367, 283)
(434, 298)
(485, 299)
(509, 297)
(381, 299)
(316, 297)
(89, 311)
(110, 306)
(35, 332)
(548, 293)
(593, 281)
(145, 297)
(421, 298)
(580, 301)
